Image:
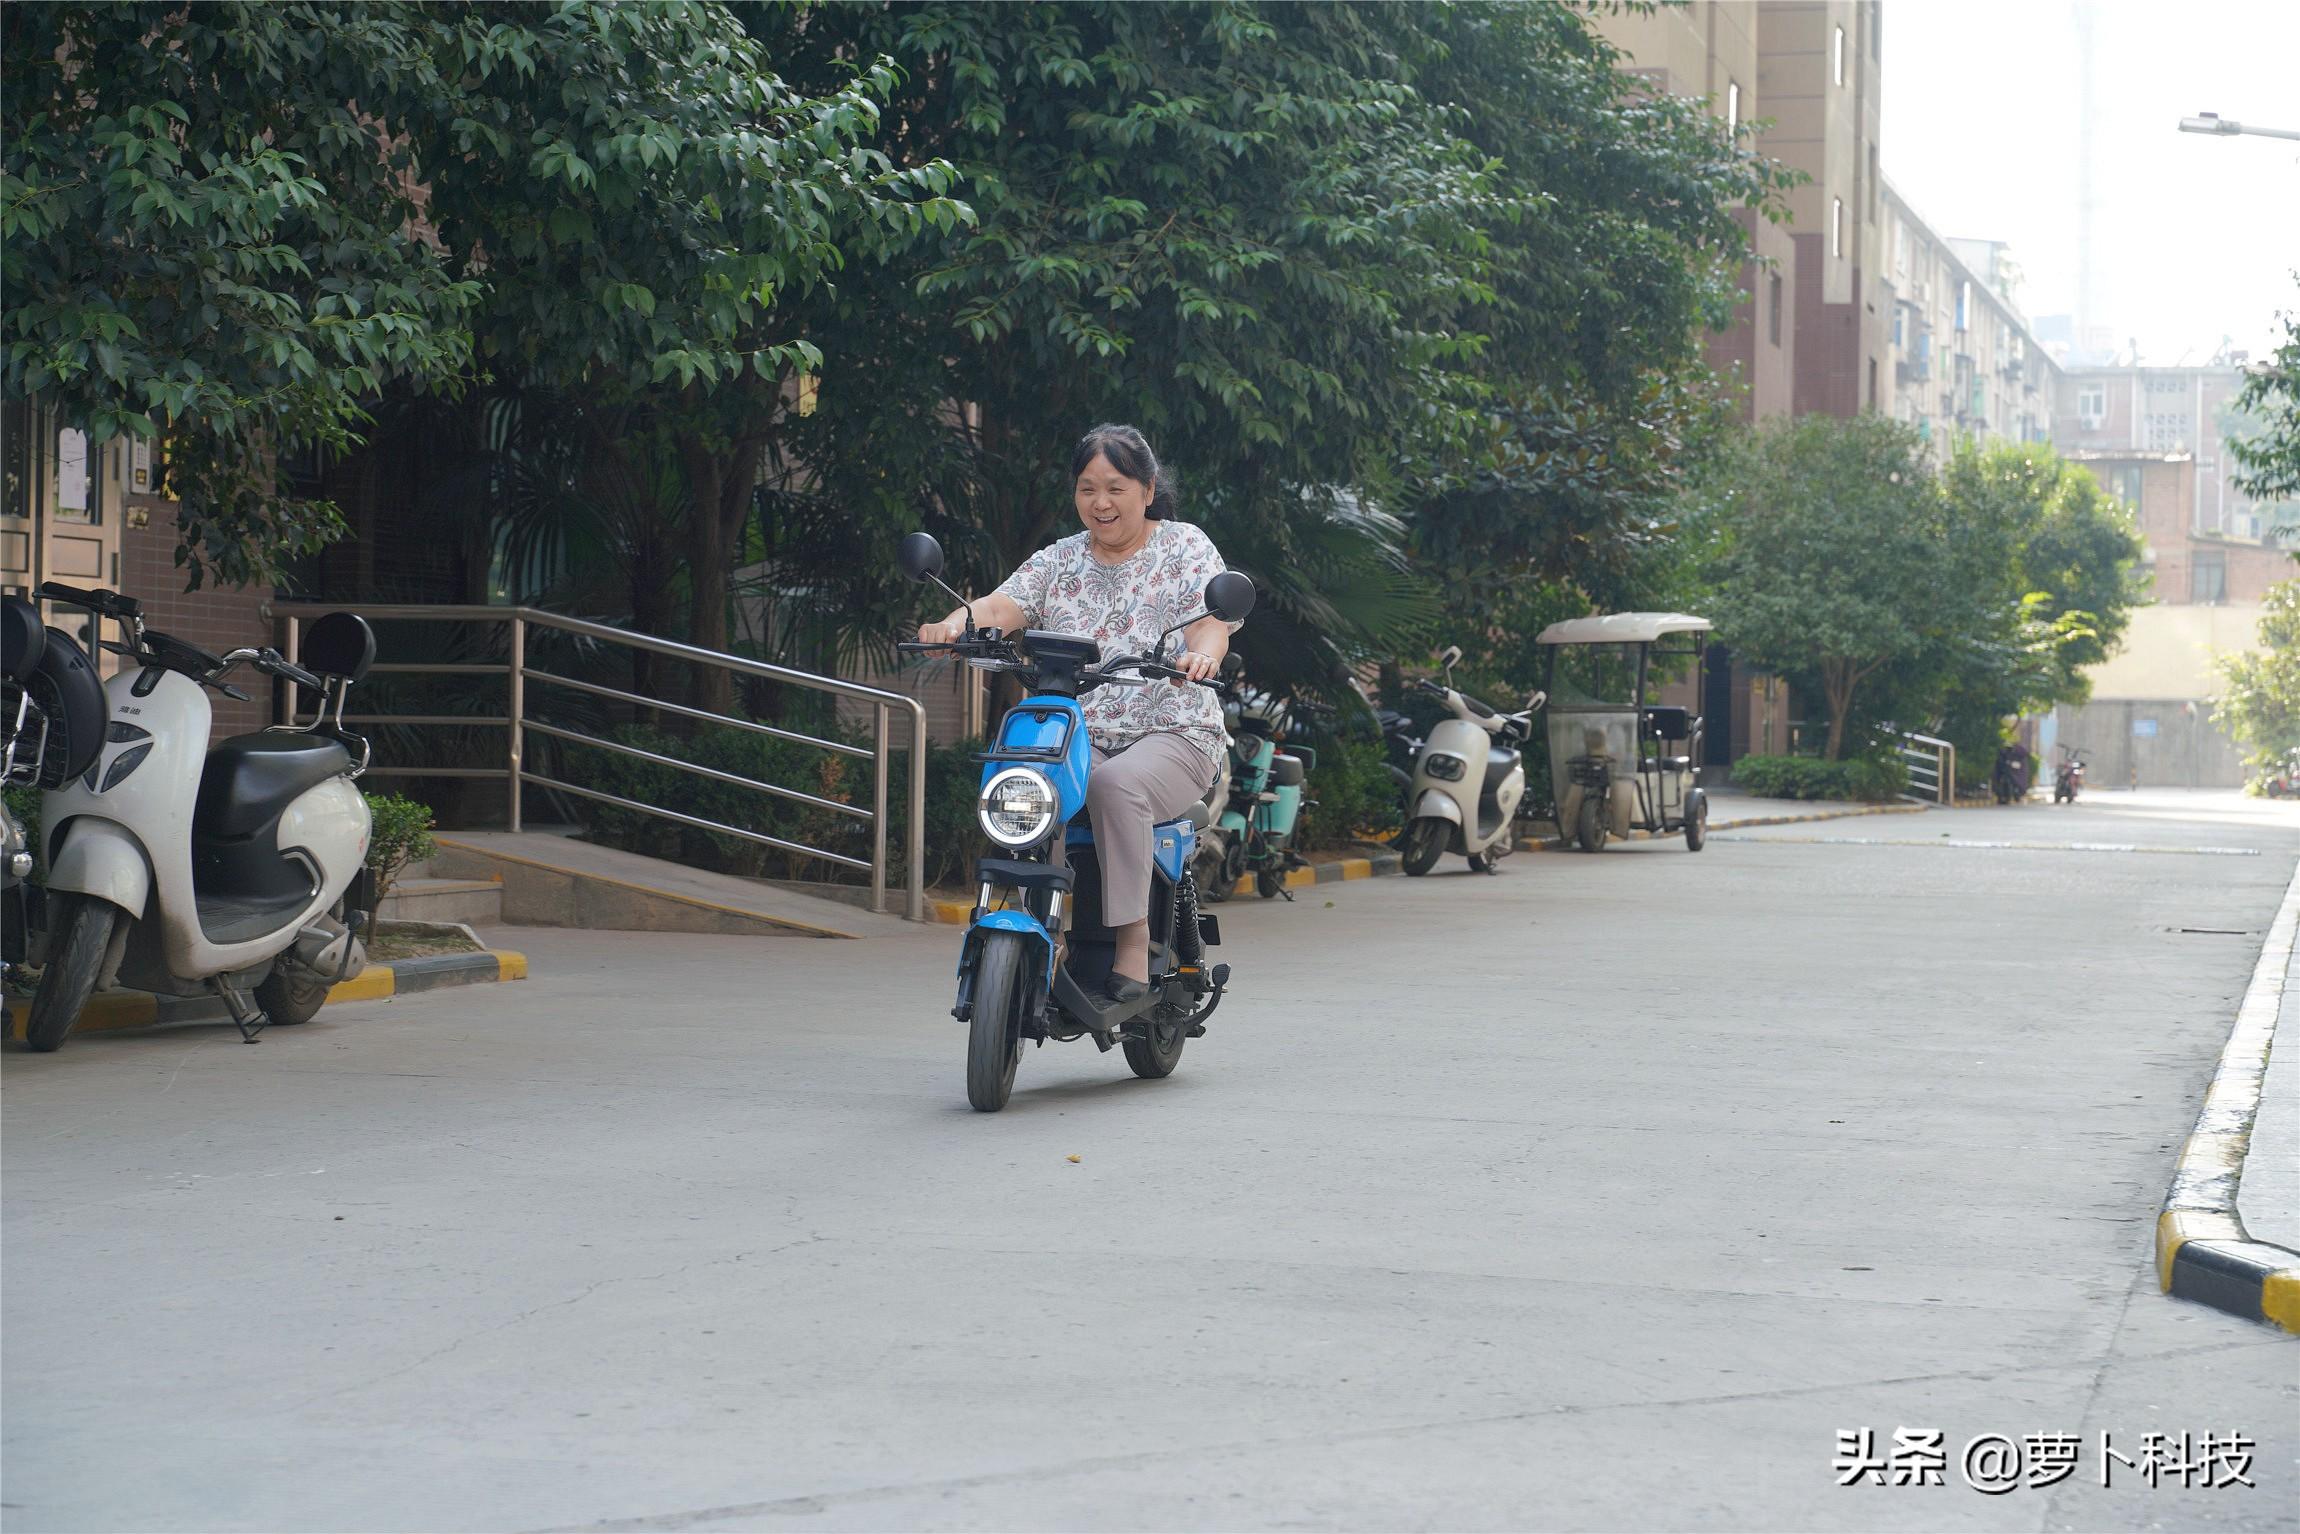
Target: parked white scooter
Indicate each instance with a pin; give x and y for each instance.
(180, 869)
(1467, 781)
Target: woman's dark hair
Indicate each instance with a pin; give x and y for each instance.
(1130, 455)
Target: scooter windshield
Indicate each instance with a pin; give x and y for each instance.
(1586, 674)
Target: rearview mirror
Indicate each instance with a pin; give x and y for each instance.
(1230, 596)
(1451, 658)
(920, 557)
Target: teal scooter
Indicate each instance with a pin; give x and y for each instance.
(1253, 835)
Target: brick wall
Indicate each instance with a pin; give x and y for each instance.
(217, 620)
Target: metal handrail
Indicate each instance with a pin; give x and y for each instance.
(1932, 764)
(515, 774)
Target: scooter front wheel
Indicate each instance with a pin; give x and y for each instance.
(81, 934)
(994, 1041)
(1424, 845)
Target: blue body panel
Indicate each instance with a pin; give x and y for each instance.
(1170, 847)
(1041, 722)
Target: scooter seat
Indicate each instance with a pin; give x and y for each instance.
(250, 779)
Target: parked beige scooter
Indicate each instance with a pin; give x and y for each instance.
(1467, 781)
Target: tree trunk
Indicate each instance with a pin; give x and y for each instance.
(720, 483)
(1837, 682)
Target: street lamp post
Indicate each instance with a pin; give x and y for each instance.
(2225, 127)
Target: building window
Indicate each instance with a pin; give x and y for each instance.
(1964, 303)
(2124, 484)
(1732, 105)
(1837, 56)
(1872, 383)
(2208, 576)
(1836, 226)
(1773, 308)
(2167, 431)
(2092, 406)
(1898, 342)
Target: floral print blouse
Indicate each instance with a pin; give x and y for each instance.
(1063, 587)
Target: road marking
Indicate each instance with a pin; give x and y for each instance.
(1981, 846)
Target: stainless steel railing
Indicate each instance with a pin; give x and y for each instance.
(1932, 764)
(518, 722)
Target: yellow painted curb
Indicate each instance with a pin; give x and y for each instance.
(110, 1011)
(377, 982)
(2175, 1228)
(2280, 1298)
(1357, 868)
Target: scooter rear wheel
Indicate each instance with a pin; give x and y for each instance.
(82, 933)
(288, 1001)
(994, 1040)
(1590, 832)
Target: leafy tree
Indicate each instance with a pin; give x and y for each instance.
(2259, 704)
(1834, 555)
(645, 197)
(203, 216)
(1289, 242)
(239, 223)
(2271, 460)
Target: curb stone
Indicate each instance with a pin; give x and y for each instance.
(1561, 843)
(2202, 1250)
(109, 1010)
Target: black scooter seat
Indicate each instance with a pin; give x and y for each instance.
(250, 779)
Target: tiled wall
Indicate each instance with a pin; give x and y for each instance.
(216, 619)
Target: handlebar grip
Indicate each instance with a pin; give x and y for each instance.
(110, 603)
(280, 667)
(919, 647)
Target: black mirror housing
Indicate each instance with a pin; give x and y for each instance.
(1230, 596)
(920, 557)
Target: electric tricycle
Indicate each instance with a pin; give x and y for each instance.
(1619, 762)
(1039, 947)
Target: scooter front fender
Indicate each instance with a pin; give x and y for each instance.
(102, 858)
(1006, 921)
(1021, 923)
(1437, 805)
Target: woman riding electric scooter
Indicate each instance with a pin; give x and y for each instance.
(1121, 587)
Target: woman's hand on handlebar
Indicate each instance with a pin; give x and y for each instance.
(1191, 666)
(942, 631)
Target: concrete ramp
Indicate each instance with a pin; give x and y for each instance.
(557, 881)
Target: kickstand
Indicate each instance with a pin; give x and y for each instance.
(245, 1012)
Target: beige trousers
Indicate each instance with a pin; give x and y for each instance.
(1154, 780)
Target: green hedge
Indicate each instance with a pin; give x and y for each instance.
(1354, 793)
(1807, 777)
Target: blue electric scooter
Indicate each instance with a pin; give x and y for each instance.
(1039, 947)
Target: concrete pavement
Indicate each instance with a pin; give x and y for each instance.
(1603, 1193)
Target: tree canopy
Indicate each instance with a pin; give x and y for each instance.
(1943, 601)
(238, 224)
(1334, 260)
(2259, 702)
(2270, 460)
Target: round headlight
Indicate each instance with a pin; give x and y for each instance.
(1018, 807)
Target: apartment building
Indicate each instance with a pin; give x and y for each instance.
(2159, 410)
(1966, 366)
(1708, 51)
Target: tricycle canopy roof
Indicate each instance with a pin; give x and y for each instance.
(1622, 628)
